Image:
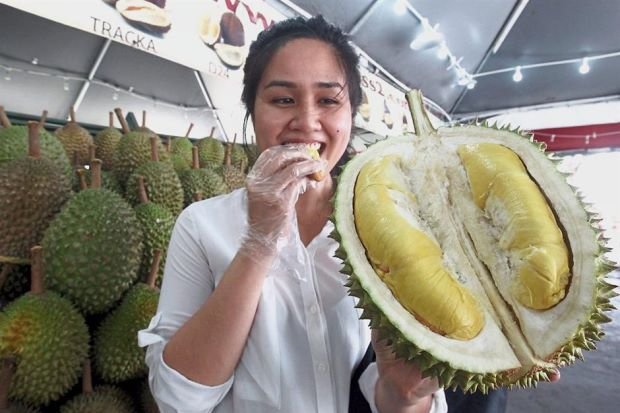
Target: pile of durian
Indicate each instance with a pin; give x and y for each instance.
(84, 226)
(471, 253)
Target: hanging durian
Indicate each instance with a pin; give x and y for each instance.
(117, 355)
(75, 139)
(181, 151)
(211, 151)
(106, 141)
(162, 182)
(233, 175)
(32, 191)
(48, 338)
(156, 223)
(205, 181)
(133, 150)
(100, 399)
(93, 248)
(14, 144)
(471, 253)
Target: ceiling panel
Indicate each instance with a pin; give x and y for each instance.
(344, 14)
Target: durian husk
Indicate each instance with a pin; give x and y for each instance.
(106, 141)
(75, 139)
(512, 350)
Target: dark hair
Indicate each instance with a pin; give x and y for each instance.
(276, 36)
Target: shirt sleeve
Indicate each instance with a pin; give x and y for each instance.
(188, 281)
(367, 382)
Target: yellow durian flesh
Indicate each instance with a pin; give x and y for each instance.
(502, 187)
(407, 259)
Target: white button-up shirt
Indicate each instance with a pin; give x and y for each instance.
(306, 339)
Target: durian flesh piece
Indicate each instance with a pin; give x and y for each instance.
(440, 261)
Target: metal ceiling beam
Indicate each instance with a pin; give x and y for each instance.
(91, 74)
(497, 42)
(362, 19)
(205, 94)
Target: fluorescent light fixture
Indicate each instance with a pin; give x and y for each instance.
(514, 16)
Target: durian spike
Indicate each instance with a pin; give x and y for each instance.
(197, 197)
(195, 158)
(81, 173)
(142, 195)
(34, 144)
(152, 277)
(4, 273)
(36, 270)
(154, 149)
(122, 120)
(7, 370)
(111, 119)
(189, 130)
(87, 377)
(212, 132)
(95, 174)
(72, 114)
(4, 119)
(43, 119)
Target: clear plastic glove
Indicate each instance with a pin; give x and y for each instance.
(273, 185)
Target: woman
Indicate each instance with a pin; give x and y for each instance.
(253, 314)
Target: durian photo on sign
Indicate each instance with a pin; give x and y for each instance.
(471, 253)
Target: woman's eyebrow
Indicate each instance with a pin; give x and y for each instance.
(292, 85)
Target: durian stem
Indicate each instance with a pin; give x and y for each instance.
(197, 197)
(95, 174)
(36, 270)
(154, 149)
(6, 269)
(87, 378)
(4, 119)
(81, 173)
(142, 195)
(421, 121)
(111, 119)
(150, 281)
(122, 120)
(212, 132)
(72, 114)
(144, 118)
(7, 370)
(5, 259)
(169, 144)
(228, 154)
(34, 144)
(234, 139)
(43, 119)
(191, 126)
(195, 158)
(91, 152)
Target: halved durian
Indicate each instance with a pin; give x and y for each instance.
(471, 253)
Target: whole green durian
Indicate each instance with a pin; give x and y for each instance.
(107, 141)
(93, 249)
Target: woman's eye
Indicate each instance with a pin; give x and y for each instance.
(282, 101)
(329, 101)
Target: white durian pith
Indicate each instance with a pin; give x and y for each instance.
(517, 345)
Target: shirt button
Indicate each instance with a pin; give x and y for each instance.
(314, 309)
(322, 368)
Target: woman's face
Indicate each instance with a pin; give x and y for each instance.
(303, 98)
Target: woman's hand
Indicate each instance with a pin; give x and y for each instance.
(400, 387)
(274, 185)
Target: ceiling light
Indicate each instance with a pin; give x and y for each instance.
(35, 61)
(400, 7)
(443, 51)
(428, 38)
(518, 76)
(584, 67)
(471, 84)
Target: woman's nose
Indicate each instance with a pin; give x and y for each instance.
(307, 118)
